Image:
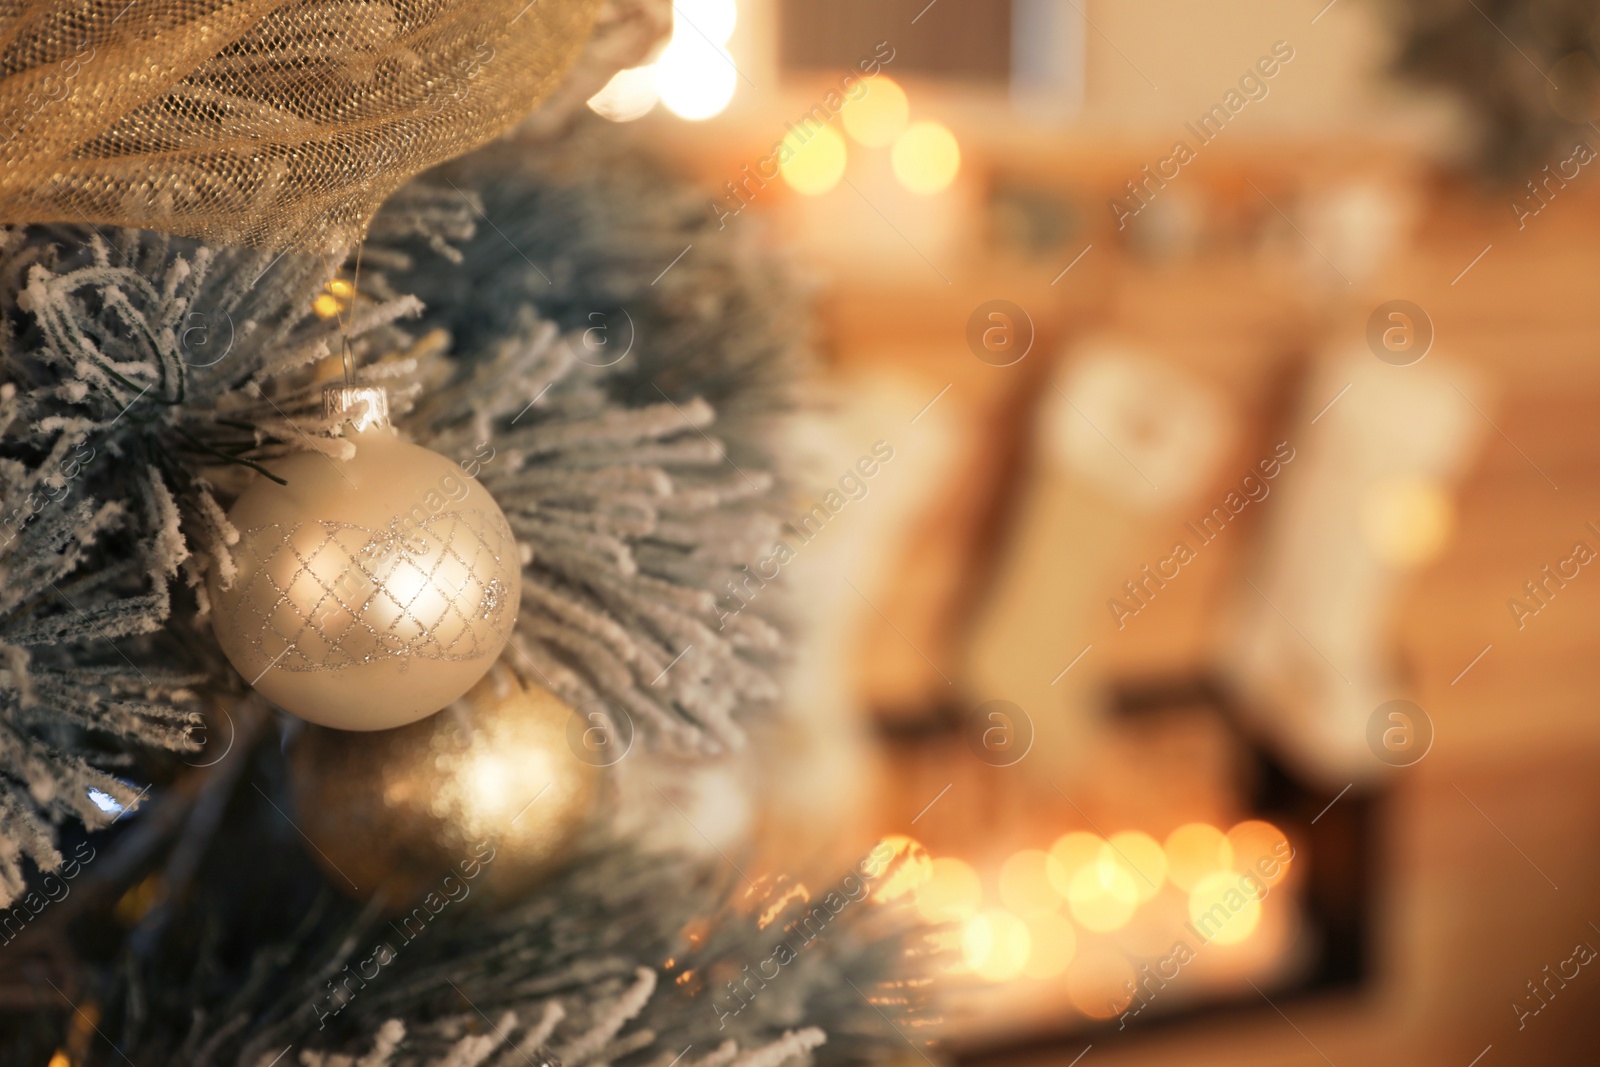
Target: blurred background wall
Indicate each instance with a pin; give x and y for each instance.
(1224, 503)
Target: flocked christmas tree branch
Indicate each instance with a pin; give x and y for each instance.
(148, 378)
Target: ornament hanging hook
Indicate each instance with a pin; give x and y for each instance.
(365, 407)
(349, 359)
(346, 316)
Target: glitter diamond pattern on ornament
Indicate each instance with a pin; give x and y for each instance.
(326, 595)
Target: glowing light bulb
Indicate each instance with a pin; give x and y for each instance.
(713, 18)
(1224, 908)
(1261, 849)
(952, 892)
(1141, 856)
(629, 95)
(1053, 942)
(926, 158)
(1072, 852)
(334, 299)
(813, 159)
(878, 115)
(996, 945)
(1195, 850)
(1102, 896)
(695, 78)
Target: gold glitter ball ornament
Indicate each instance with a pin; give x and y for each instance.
(489, 792)
(372, 591)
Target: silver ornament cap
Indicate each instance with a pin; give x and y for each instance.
(366, 407)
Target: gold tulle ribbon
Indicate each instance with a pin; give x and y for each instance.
(263, 122)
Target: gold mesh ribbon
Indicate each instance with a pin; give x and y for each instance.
(276, 123)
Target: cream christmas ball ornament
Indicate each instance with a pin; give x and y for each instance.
(372, 591)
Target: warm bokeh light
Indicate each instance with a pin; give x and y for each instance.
(695, 78)
(996, 945)
(1154, 926)
(926, 158)
(1102, 896)
(1224, 909)
(910, 868)
(1053, 942)
(1141, 856)
(1195, 850)
(714, 19)
(1098, 981)
(1072, 852)
(1261, 849)
(1028, 881)
(952, 892)
(878, 116)
(1407, 522)
(326, 306)
(629, 95)
(816, 159)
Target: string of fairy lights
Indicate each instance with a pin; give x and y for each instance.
(1088, 910)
